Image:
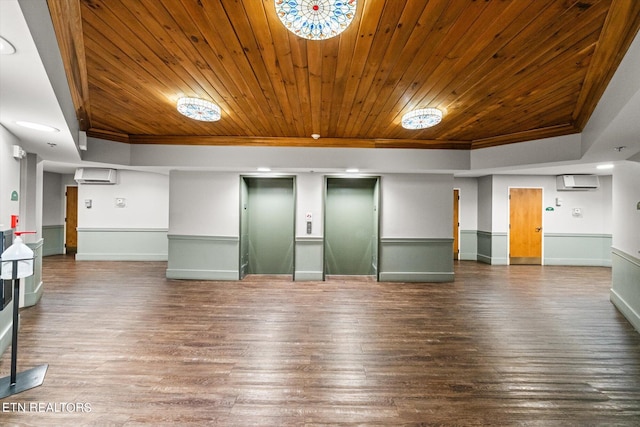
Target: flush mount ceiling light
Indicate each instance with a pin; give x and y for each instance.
(37, 126)
(421, 119)
(199, 109)
(316, 19)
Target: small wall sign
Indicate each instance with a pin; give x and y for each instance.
(14, 196)
(550, 209)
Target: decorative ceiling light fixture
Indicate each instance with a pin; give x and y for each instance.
(421, 119)
(199, 109)
(316, 19)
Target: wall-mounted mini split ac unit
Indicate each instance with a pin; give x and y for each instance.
(95, 176)
(577, 182)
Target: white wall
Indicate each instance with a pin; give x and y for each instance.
(468, 207)
(309, 196)
(147, 202)
(626, 197)
(416, 206)
(594, 204)
(9, 177)
(204, 203)
(207, 204)
(485, 198)
(53, 202)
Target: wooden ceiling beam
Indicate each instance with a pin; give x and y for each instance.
(297, 142)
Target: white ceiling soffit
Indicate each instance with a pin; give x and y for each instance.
(27, 92)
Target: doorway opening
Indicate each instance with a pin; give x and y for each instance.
(351, 243)
(456, 224)
(71, 221)
(267, 212)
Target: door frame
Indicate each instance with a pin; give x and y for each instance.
(377, 198)
(456, 236)
(509, 220)
(241, 209)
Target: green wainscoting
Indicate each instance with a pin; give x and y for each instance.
(468, 245)
(625, 289)
(577, 249)
(309, 257)
(492, 248)
(416, 260)
(203, 257)
(53, 236)
(32, 285)
(122, 244)
(6, 323)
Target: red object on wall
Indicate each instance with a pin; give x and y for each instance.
(14, 221)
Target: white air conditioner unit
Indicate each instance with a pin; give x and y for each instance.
(577, 182)
(95, 176)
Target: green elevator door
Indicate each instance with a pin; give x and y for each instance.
(269, 223)
(351, 233)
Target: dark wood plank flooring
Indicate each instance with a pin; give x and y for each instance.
(519, 345)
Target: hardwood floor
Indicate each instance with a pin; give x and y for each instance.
(520, 345)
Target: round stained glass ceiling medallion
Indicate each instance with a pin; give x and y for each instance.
(316, 19)
(199, 109)
(421, 119)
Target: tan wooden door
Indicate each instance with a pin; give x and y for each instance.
(71, 232)
(456, 223)
(525, 226)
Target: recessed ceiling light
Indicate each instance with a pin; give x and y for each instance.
(607, 166)
(6, 48)
(37, 126)
(263, 169)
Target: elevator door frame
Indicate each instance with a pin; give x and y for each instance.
(243, 200)
(377, 222)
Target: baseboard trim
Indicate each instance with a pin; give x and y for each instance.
(308, 276)
(120, 257)
(627, 311)
(578, 262)
(175, 273)
(32, 298)
(411, 276)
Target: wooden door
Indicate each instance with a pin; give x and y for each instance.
(71, 221)
(525, 226)
(456, 223)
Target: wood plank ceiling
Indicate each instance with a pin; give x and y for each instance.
(502, 71)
